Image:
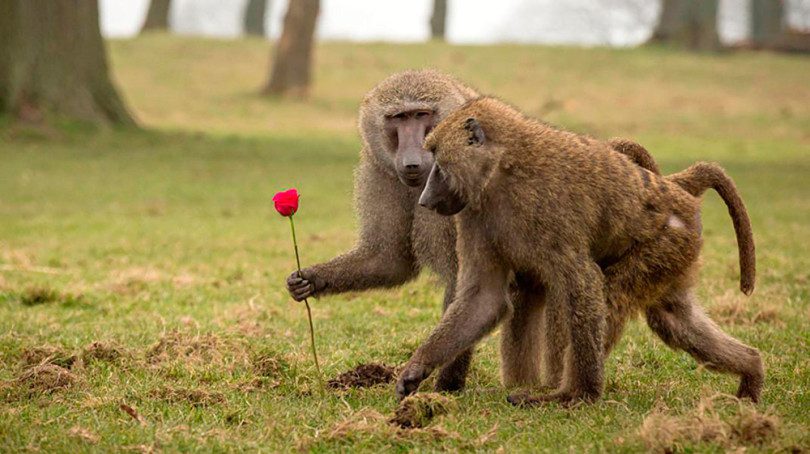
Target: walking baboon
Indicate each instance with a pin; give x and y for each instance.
(557, 207)
(397, 236)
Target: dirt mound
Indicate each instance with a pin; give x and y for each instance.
(720, 419)
(99, 351)
(47, 354)
(41, 379)
(416, 411)
(363, 376)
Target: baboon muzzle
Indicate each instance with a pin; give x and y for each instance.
(438, 195)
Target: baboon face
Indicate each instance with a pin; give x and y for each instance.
(464, 164)
(397, 115)
(405, 132)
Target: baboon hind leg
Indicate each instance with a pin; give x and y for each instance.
(682, 324)
(522, 339)
(453, 376)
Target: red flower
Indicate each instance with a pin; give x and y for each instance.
(286, 202)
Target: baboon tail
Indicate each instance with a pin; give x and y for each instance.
(702, 176)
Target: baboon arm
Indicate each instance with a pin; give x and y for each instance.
(382, 256)
(480, 304)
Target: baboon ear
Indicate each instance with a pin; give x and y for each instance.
(477, 136)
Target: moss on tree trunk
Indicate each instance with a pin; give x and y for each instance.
(53, 62)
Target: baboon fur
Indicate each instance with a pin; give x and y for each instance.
(397, 237)
(604, 237)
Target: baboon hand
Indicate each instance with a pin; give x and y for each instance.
(412, 375)
(303, 284)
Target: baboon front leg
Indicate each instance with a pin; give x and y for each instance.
(555, 342)
(682, 324)
(453, 376)
(579, 289)
(522, 339)
(479, 306)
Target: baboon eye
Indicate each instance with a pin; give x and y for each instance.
(421, 114)
(433, 149)
(398, 116)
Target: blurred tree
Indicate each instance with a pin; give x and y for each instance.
(770, 30)
(53, 62)
(157, 17)
(766, 22)
(438, 20)
(254, 17)
(688, 23)
(292, 63)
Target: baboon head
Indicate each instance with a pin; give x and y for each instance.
(465, 159)
(398, 114)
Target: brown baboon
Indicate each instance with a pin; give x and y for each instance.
(559, 208)
(397, 236)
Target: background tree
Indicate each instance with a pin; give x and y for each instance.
(438, 20)
(688, 23)
(770, 30)
(291, 72)
(254, 17)
(53, 61)
(157, 17)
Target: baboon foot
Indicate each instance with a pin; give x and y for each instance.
(750, 388)
(412, 376)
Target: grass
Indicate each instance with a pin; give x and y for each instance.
(142, 304)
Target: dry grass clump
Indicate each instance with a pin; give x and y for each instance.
(732, 308)
(722, 420)
(197, 350)
(47, 354)
(417, 410)
(193, 397)
(369, 423)
(43, 378)
(84, 435)
(363, 376)
(102, 352)
(36, 295)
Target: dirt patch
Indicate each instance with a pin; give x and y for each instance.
(363, 376)
(416, 411)
(720, 419)
(47, 354)
(193, 397)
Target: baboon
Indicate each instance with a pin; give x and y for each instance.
(398, 237)
(604, 237)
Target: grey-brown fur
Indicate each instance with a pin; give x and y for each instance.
(398, 237)
(602, 236)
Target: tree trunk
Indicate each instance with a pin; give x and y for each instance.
(293, 58)
(438, 20)
(53, 62)
(688, 23)
(254, 17)
(766, 23)
(157, 18)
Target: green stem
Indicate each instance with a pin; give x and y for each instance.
(309, 311)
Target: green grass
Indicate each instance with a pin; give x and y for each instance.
(133, 237)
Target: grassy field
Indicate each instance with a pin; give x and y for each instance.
(142, 304)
